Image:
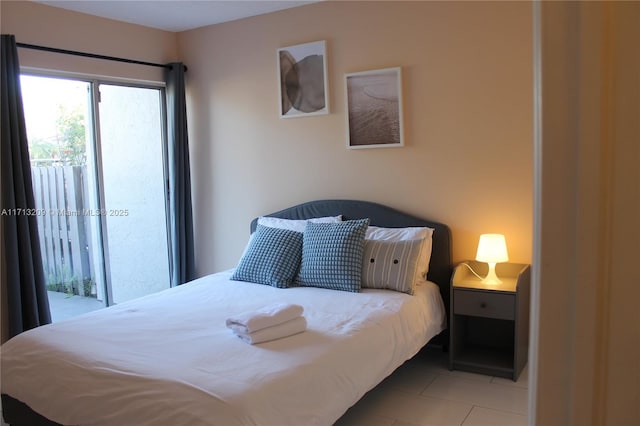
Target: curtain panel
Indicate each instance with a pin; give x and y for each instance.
(180, 210)
(23, 281)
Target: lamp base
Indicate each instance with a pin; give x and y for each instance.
(491, 277)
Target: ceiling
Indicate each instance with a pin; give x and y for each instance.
(175, 15)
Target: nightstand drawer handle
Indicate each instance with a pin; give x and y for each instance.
(483, 305)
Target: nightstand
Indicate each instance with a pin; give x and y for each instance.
(489, 324)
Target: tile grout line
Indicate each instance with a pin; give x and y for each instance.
(502, 411)
(473, 404)
(468, 414)
(489, 382)
(433, 379)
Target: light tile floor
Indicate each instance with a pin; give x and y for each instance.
(424, 392)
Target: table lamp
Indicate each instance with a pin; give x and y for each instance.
(492, 249)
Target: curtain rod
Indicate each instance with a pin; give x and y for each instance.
(92, 55)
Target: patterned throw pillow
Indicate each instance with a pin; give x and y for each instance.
(404, 234)
(332, 255)
(272, 258)
(390, 264)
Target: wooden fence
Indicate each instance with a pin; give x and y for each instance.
(64, 227)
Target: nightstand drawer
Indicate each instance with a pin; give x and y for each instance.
(484, 304)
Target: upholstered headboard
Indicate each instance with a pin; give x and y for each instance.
(379, 215)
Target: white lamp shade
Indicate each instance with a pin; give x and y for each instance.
(492, 248)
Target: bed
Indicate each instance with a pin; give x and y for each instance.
(169, 359)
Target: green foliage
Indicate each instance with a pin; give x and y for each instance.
(68, 148)
(71, 133)
(40, 149)
(62, 280)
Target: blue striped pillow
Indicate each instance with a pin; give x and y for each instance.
(272, 258)
(332, 255)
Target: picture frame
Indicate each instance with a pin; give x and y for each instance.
(303, 82)
(374, 109)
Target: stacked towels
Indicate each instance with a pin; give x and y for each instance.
(268, 323)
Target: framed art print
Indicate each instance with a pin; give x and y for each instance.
(374, 109)
(303, 80)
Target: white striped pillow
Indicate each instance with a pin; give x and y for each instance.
(390, 264)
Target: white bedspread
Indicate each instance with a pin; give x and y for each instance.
(169, 359)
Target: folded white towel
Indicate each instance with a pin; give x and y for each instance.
(268, 316)
(285, 329)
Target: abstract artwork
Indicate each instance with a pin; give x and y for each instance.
(303, 80)
(374, 107)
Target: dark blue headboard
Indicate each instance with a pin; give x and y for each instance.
(379, 215)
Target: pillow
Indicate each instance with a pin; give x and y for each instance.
(291, 224)
(272, 257)
(332, 255)
(295, 224)
(391, 265)
(403, 234)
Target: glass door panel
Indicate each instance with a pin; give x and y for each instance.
(131, 146)
(58, 120)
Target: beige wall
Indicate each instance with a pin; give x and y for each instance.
(467, 75)
(34, 23)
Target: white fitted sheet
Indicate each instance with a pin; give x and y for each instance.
(169, 359)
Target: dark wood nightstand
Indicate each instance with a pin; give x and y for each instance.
(489, 324)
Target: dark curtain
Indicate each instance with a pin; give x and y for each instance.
(27, 302)
(180, 215)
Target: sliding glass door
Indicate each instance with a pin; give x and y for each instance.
(97, 156)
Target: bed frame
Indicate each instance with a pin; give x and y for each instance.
(17, 413)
